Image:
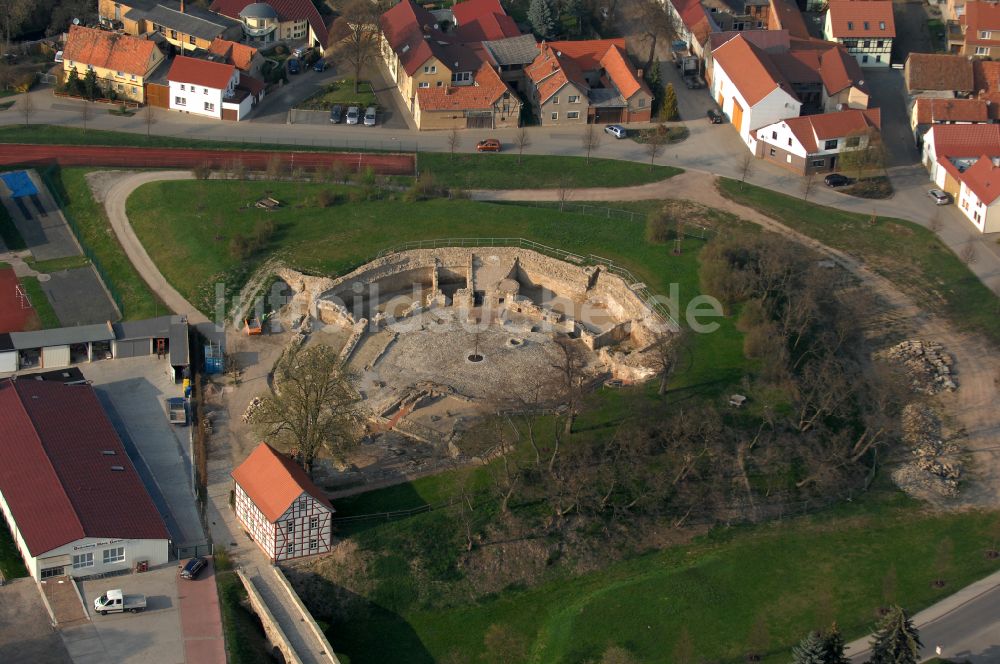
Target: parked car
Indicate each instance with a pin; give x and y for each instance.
(336, 114)
(59, 56)
(617, 131)
(353, 113)
(837, 180)
(293, 66)
(370, 116)
(488, 145)
(300, 51)
(694, 82)
(940, 197)
(320, 66)
(714, 116)
(114, 601)
(193, 568)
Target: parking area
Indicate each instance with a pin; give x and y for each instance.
(152, 636)
(78, 297)
(26, 633)
(201, 620)
(133, 391)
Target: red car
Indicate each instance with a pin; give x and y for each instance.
(489, 145)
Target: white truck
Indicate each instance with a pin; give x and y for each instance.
(114, 601)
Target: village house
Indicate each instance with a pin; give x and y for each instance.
(510, 56)
(184, 26)
(207, 88)
(979, 194)
(121, 63)
(738, 15)
(865, 27)
(483, 20)
(279, 507)
(293, 22)
(487, 104)
(580, 82)
(244, 57)
(693, 24)
(814, 143)
(974, 28)
(949, 150)
(935, 75)
(71, 497)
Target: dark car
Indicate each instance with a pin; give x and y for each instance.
(320, 66)
(714, 116)
(193, 568)
(293, 66)
(336, 114)
(837, 180)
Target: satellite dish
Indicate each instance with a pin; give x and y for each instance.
(76, 21)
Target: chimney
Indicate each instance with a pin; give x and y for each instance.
(638, 73)
(182, 6)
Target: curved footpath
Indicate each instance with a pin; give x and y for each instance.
(115, 200)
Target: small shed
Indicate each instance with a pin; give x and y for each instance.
(166, 336)
(59, 347)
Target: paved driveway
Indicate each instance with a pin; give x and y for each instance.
(26, 634)
(888, 93)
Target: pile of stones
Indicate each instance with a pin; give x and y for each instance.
(927, 364)
(934, 467)
(251, 410)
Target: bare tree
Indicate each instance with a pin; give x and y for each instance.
(867, 153)
(354, 36)
(149, 115)
(968, 253)
(454, 141)
(655, 142)
(568, 383)
(522, 139)
(663, 353)
(563, 193)
(13, 14)
(658, 26)
(807, 184)
(746, 167)
(85, 113)
(27, 107)
(312, 407)
(590, 139)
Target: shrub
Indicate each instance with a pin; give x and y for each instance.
(221, 559)
(202, 171)
(660, 227)
(239, 248)
(326, 198)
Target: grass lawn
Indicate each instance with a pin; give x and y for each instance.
(8, 232)
(11, 564)
(794, 575)
(341, 92)
(502, 171)
(137, 301)
(57, 264)
(186, 228)
(907, 253)
(244, 636)
(46, 314)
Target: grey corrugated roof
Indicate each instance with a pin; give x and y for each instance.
(179, 356)
(606, 97)
(513, 50)
(145, 329)
(5, 342)
(207, 26)
(62, 336)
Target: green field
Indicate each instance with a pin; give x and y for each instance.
(341, 92)
(793, 576)
(906, 253)
(244, 637)
(502, 171)
(94, 232)
(46, 314)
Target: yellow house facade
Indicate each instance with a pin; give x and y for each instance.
(120, 62)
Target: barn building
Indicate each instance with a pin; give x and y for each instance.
(280, 507)
(71, 497)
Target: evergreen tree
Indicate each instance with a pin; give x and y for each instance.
(540, 17)
(896, 640)
(90, 87)
(811, 650)
(833, 646)
(73, 82)
(668, 110)
(578, 11)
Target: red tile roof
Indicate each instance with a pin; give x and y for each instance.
(109, 50)
(694, 16)
(785, 15)
(253, 85)
(936, 71)
(840, 70)
(812, 128)
(273, 482)
(985, 76)
(59, 485)
(621, 72)
(586, 53)
(480, 20)
(201, 72)
(965, 141)
(983, 178)
(863, 18)
(413, 35)
(288, 10)
(487, 89)
(234, 53)
(551, 70)
(750, 70)
(766, 40)
(930, 111)
(981, 15)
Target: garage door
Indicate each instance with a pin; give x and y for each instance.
(55, 356)
(8, 362)
(737, 115)
(133, 348)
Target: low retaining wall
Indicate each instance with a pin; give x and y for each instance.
(307, 617)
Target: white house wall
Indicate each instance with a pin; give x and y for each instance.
(777, 105)
(8, 361)
(196, 96)
(784, 134)
(155, 552)
(988, 215)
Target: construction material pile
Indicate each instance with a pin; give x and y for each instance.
(935, 467)
(927, 364)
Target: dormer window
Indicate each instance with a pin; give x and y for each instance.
(866, 25)
(850, 25)
(881, 25)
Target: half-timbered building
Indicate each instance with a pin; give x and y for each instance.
(279, 506)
